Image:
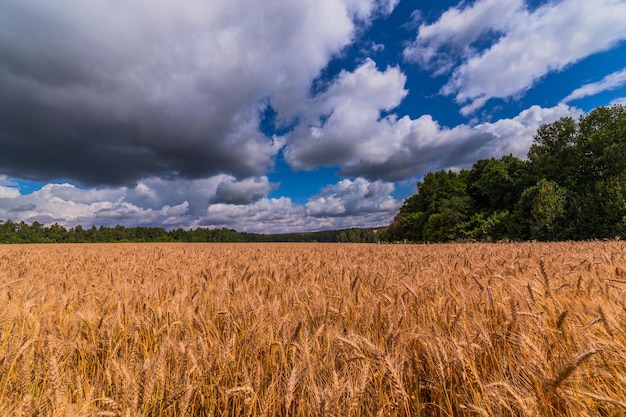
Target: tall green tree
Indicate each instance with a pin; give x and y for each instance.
(497, 184)
(552, 154)
(442, 195)
(601, 144)
(544, 206)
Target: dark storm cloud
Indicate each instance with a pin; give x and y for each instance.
(87, 136)
(105, 93)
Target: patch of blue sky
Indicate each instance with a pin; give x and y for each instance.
(300, 185)
(26, 186)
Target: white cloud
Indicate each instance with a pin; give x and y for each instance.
(349, 203)
(342, 123)
(610, 82)
(343, 127)
(9, 192)
(418, 146)
(621, 101)
(275, 215)
(69, 205)
(387, 7)
(531, 44)
(514, 136)
(460, 28)
(473, 106)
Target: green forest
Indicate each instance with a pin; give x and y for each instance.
(22, 232)
(571, 186)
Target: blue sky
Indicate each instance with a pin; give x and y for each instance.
(280, 115)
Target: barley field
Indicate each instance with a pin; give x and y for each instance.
(527, 329)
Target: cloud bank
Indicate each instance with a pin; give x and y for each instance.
(200, 203)
(106, 94)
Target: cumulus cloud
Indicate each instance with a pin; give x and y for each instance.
(424, 145)
(108, 94)
(336, 126)
(9, 192)
(353, 197)
(223, 201)
(515, 135)
(343, 127)
(610, 82)
(526, 45)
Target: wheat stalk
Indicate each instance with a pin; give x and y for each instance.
(567, 370)
(264, 330)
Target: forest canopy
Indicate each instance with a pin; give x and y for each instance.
(572, 186)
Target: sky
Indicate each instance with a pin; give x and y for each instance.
(280, 115)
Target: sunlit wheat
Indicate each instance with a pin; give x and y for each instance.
(313, 329)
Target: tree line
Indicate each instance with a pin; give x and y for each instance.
(22, 232)
(572, 186)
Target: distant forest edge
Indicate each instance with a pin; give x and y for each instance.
(571, 187)
(12, 232)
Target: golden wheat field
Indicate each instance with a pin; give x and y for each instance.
(313, 329)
